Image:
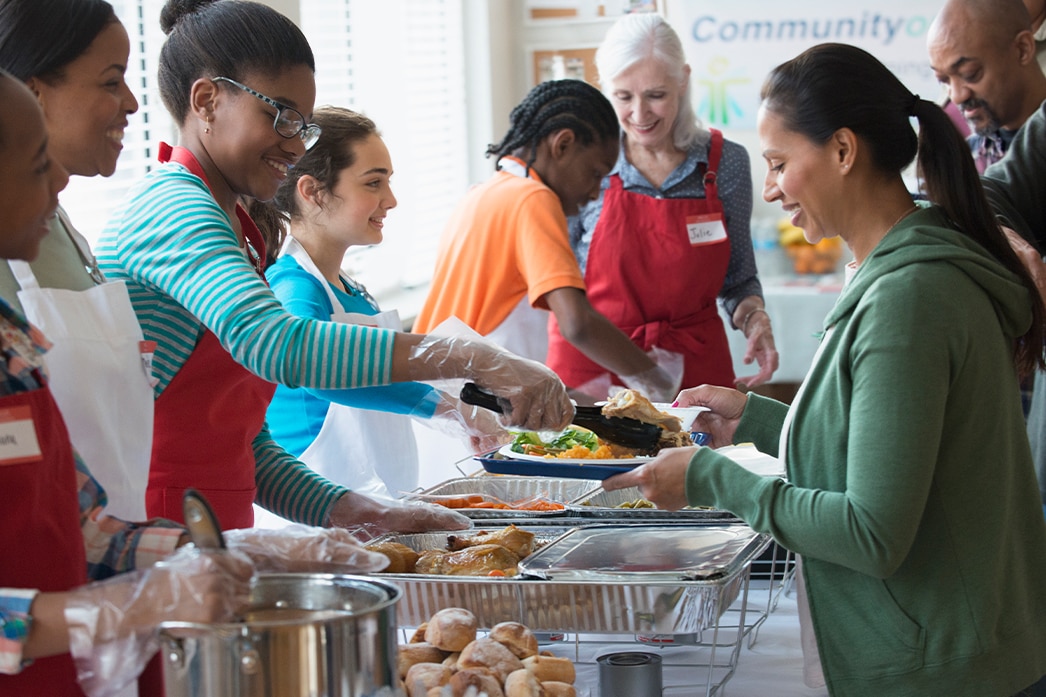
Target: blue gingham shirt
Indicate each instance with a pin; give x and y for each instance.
(734, 178)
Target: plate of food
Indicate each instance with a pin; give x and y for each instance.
(578, 453)
(507, 452)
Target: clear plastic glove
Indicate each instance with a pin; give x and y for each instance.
(535, 398)
(478, 428)
(113, 624)
(662, 382)
(305, 549)
(367, 517)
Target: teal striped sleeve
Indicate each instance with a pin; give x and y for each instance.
(288, 488)
(174, 246)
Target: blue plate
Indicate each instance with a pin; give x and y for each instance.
(552, 468)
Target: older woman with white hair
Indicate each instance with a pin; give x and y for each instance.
(677, 208)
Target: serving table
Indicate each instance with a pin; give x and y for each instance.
(697, 625)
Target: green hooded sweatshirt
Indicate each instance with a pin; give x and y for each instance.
(911, 492)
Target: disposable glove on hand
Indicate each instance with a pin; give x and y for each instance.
(113, 624)
(475, 426)
(368, 517)
(305, 549)
(533, 397)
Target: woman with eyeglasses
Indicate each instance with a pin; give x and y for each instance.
(238, 79)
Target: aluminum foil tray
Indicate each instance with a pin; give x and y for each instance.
(513, 489)
(632, 606)
(604, 505)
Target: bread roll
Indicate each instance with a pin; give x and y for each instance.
(419, 634)
(551, 668)
(451, 661)
(487, 653)
(451, 629)
(409, 654)
(422, 676)
(516, 638)
(522, 683)
(479, 678)
(558, 689)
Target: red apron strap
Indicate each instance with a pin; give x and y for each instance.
(711, 174)
(251, 233)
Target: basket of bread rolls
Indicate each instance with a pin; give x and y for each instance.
(448, 657)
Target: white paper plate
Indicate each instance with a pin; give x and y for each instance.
(507, 451)
(685, 414)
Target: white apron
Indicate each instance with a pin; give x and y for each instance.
(524, 332)
(101, 377)
(371, 452)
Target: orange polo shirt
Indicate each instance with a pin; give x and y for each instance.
(505, 240)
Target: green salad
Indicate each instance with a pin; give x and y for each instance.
(553, 442)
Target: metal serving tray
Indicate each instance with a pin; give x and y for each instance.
(513, 489)
(603, 505)
(646, 552)
(636, 605)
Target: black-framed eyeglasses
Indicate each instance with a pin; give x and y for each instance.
(289, 122)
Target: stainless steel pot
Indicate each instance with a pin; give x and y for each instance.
(305, 635)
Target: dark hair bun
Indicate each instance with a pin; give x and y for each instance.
(174, 10)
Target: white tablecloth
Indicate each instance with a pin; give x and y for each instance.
(797, 308)
(772, 666)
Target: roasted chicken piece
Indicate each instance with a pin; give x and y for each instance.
(630, 404)
(478, 560)
(519, 542)
(401, 557)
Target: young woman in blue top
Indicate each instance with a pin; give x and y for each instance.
(238, 78)
(337, 197)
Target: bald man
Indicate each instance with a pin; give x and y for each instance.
(983, 52)
(1037, 12)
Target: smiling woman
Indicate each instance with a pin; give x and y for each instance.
(73, 55)
(193, 258)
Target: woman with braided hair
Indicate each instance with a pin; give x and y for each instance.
(676, 206)
(504, 258)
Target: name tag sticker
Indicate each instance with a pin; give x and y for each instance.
(705, 229)
(18, 443)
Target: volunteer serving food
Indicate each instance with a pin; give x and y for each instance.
(192, 259)
(668, 233)
(336, 197)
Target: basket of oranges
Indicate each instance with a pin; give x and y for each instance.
(819, 258)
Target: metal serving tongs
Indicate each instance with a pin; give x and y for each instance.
(204, 530)
(630, 433)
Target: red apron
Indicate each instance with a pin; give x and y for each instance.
(41, 546)
(207, 418)
(647, 277)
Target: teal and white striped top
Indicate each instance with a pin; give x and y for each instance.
(173, 246)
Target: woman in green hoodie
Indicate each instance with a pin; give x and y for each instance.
(910, 495)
